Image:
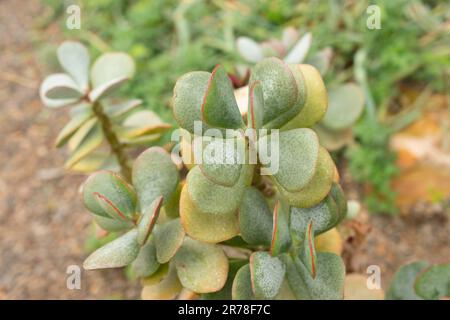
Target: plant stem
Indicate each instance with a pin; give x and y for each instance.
(117, 148)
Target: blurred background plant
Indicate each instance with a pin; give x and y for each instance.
(169, 38)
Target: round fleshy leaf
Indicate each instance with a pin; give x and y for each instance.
(118, 108)
(111, 66)
(324, 216)
(255, 218)
(219, 107)
(168, 238)
(298, 152)
(242, 285)
(112, 224)
(333, 140)
(434, 282)
(106, 89)
(222, 160)
(279, 87)
(316, 100)
(318, 188)
(145, 263)
(83, 142)
(163, 285)
(300, 50)
(142, 123)
(72, 126)
(118, 253)
(212, 198)
(226, 292)
(249, 49)
(267, 275)
(328, 283)
(114, 189)
(148, 219)
(188, 98)
(346, 103)
(74, 58)
(281, 240)
(59, 86)
(255, 115)
(402, 284)
(154, 174)
(206, 227)
(201, 267)
(329, 241)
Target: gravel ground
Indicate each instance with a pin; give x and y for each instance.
(43, 225)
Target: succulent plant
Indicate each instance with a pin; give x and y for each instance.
(220, 233)
(346, 100)
(95, 116)
(420, 281)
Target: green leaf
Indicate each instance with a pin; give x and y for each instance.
(59, 86)
(118, 108)
(118, 253)
(72, 126)
(201, 267)
(88, 138)
(324, 216)
(300, 50)
(298, 153)
(249, 49)
(205, 226)
(111, 66)
(242, 285)
(188, 98)
(255, 218)
(145, 263)
(333, 140)
(142, 122)
(163, 285)
(434, 282)
(168, 238)
(267, 275)
(402, 284)
(106, 89)
(154, 174)
(308, 254)
(346, 103)
(95, 161)
(316, 100)
(318, 188)
(279, 87)
(219, 108)
(226, 292)
(141, 140)
(255, 115)
(75, 60)
(148, 219)
(112, 224)
(328, 283)
(281, 240)
(222, 160)
(114, 189)
(209, 197)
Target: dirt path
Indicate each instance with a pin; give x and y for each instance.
(43, 225)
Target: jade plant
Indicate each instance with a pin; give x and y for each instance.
(420, 281)
(96, 118)
(346, 99)
(231, 224)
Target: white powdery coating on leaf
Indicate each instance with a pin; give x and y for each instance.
(268, 274)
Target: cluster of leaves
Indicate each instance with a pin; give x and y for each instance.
(420, 281)
(183, 234)
(95, 116)
(346, 100)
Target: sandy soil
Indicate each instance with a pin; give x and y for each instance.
(43, 225)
